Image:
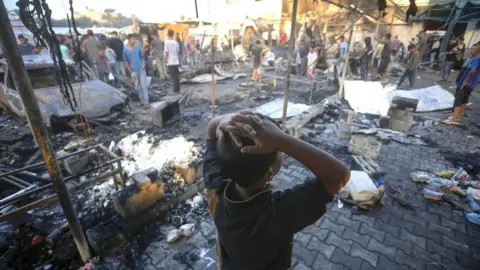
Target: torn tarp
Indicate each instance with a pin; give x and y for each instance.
(274, 108)
(431, 98)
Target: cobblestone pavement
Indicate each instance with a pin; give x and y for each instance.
(426, 237)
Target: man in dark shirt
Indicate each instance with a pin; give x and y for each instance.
(25, 47)
(117, 46)
(449, 60)
(385, 57)
(257, 58)
(256, 225)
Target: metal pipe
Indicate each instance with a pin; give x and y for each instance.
(289, 62)
(54, 197)
(32, 111)
(47, 186)
(42, 163)
(196, 8)
(345, 66)
(14, 183)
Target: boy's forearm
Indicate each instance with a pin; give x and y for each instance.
(328, 170)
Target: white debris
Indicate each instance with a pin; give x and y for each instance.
(112, 146)
(142, 153)
(173, 235)
(187, 229)
(195, 201)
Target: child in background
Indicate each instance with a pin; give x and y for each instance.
(311, 62)
(103, 66)
(112, 60)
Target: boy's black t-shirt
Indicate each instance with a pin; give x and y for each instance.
(257, 233)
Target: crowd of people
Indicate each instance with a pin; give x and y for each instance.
(126, 55)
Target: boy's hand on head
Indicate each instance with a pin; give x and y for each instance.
(265, 133)
(227, 120)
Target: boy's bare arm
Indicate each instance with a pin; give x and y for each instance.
(268, 137)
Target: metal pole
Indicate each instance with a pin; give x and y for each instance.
(451, 25)
(345, 66)
(213, 75)
(378, 22)
(289, 62)
(25, 89)
(196, 8)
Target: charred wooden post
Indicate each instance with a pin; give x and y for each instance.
(289, 62)
(25, 89)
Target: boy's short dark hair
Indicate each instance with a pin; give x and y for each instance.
(130, 36)
(388, 35)
(257, 42)
(114, 33)
(244, 169)
(411, 46)
(170, 33)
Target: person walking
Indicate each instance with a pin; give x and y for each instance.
(257, 58)
(395, 47)
(112, 61)
(191, 52)
(135, 64)
(366, 61)
(102, 64)
(465, 86)
(421, 45)
(449, 59)
(303, 52)
(385, 57)
(90, 46)
(435, 50)
(172, 60)
(411, 66)
(343, 51)
(312, 62)
(158, 49)
(117, 46)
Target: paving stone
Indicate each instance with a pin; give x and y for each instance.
(393, 230)
(303, 238)
(467, 261)
(301, 266)
(434, 226)
(388, 251)
(326, 223)
(394, 221)
(367, 230)
(408, 260)
(440, 211)
(325, 250)
(355, 225)
(416, 218)
(370, 221)
(390, 240)
(307, 256)
(434, 247)
(367, 266)
(468, 239)
(334, 239)
(458, 246)
(341, 257)
(415, 239)
(435, 236)
(370, 257)
(361, 239)
(386, 264)
(316, 231)
(424, 255)
(322, 263)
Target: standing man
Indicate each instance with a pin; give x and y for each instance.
(112, 63)
(283, 37)
(421, 45)
(412, 64)
(465, 87)
(191, 51)
(117, 46)
(257, 58)
(395, 46)
(435, 49)
(449, 59)
(133, 56)
(25, 47)
(181, 54)
(366, 61)
(90, 46)
(343, 50)
(172, 60)
(303, 52)
(158, 49)
(385, 57)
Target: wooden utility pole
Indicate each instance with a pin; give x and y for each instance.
(32, 111)
(393, 17)
(353, 16)
(289, 62)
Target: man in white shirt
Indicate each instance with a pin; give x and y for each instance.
(434, 52)
(172, 52)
